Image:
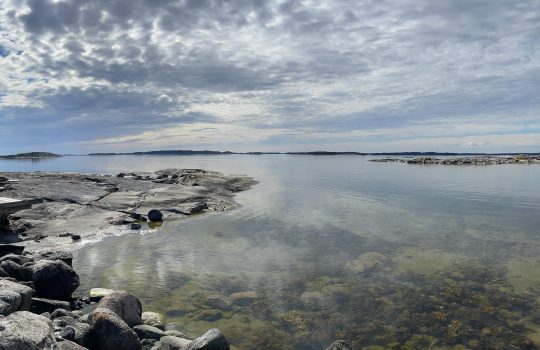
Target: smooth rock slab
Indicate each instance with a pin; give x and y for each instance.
(112, 332)
(127, 306)
(23, 330)
(41, 305)
(211, 340)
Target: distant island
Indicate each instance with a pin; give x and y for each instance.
(30, 155)
(313, 153)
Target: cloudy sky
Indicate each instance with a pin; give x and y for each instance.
(265, 75)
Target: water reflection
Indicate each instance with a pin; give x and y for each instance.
(384, 255)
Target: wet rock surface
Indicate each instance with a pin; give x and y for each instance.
(77, 208)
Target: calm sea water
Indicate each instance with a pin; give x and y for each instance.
(387, 256)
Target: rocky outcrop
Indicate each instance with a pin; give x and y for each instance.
(473, 160)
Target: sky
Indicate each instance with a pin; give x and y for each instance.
(264, 75)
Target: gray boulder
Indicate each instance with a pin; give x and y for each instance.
(41, 305)
(125, 305)
(20, 273)
(339, 345)
(145, 331)
(112, 333)
(153, 319)
(54, 279)
(211, 340)
(9, 302)
(24, 291)
(148, 344)
(173, 343)
(23, 330)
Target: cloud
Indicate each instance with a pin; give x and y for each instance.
(82, 72)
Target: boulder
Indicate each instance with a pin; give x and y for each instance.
(209, 315)
(84, 334)
(20, 273)
(199, 207)
(67, 333)
(169, 342)
(3, 273)
(135, 226)
(6, 249)
(112, 333)
(211, 340)
(125, 305)
(24, 291)
(97, 293)
(9, 302)
(153, 319)
(61, 313)
(40, 305)
(54, 279)
(155, 215)
(145, 331)
(23, 330)
(339, 345)
(69, 345)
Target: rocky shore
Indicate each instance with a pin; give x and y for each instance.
(79, 208)
(476, 160)
(37, 279)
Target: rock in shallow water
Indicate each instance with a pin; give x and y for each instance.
(54, 279)
(23, 330)
(211, 340)
(155, 215)
(127, 306)
(153, 319)
(112, 332)
(98, 293)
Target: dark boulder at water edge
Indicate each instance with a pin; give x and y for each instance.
(155, 215)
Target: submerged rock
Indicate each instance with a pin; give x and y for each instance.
(127, 306)
(243, 298)
(97, 293)
(366, 262)
(26, 331)
(339, 345)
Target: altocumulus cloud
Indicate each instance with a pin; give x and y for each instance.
(91, 75)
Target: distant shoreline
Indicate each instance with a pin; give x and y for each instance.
(313, 153)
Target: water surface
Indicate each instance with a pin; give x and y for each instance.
(385, 255)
